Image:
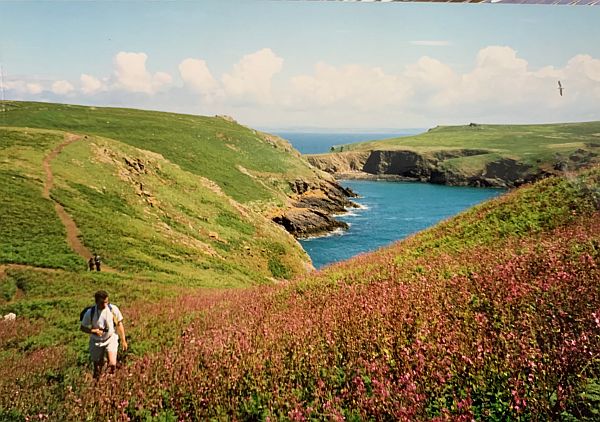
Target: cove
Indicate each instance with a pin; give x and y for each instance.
(391, 211)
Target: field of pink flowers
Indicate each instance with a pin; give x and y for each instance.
(493, 315)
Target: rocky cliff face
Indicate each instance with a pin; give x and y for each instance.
(313, 205)
(431, 167)
(402, 163)
(346, 162)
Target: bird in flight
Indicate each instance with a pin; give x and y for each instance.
(560, 88)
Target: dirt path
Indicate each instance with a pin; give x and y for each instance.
(73, 232)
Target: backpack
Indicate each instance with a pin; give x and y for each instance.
(93, 310)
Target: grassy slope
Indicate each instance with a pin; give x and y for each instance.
(30, 229)
(492, 315)
(530, 144)
(193, 212)
(206, 146)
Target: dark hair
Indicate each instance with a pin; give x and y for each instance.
(100, 295)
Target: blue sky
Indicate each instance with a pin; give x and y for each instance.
(279, 64)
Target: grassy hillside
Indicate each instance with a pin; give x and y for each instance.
(491, 315)
(159, 219)
(216, 148)
(469, 149)
(155, 194)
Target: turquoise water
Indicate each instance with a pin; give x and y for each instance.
(391, 211)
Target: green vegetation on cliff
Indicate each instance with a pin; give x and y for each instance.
(474, 154)
(526, 142)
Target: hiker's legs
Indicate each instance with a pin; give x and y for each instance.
(97, 355)
(98, 365)
(111, 351)
(112, 362)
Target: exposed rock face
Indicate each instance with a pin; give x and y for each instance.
(312, 206)
(303, 223)
(344, 162)
(402, 163)
(411, 165)
(508, 170)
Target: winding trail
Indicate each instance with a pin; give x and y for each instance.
(73, 232)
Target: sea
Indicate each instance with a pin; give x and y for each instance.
(317, 143)
(389, 211)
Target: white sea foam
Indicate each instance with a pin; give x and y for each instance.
(337, 232)
(351, 211)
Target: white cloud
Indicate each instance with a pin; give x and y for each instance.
(500, 85)
(62, 87)
(24, 87)
(586, 65)
(250, 78)
(90, 84)
(431, 43)
(197, 76)
(34, 88)
(498, 80)
(131, 74)
(356, 86)
(430, 74)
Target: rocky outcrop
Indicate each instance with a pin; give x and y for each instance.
(402, 163)
(345, 162)
(430, 167)
(312, 206)
(309, 222)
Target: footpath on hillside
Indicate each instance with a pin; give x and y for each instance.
(71, 228)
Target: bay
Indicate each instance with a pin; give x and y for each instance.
(391, 211)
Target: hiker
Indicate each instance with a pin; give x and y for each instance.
(102, 322)
(97, 262)
(91, 264)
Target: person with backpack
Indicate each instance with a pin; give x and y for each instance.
(103, 321)
(97, 261)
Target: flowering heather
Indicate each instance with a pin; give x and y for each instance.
(493, 315)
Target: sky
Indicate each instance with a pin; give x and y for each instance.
(307, 64)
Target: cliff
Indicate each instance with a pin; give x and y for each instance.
(474, 155)
(312, 206)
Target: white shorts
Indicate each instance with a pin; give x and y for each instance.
(98, 348)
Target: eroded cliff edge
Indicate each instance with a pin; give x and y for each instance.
(312, 207)
(311, 200)
(458, 167)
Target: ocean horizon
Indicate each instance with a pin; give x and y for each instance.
(321, 142)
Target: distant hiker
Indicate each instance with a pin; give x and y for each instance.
(97, 262)
(91, 264)
(102, 321)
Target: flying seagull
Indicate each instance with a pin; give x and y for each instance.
(560, 88)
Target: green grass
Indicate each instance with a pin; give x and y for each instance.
(51, 299)
(534, 145)
(30, 229)
(207, 146)
(177, 225)
(190, 211)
